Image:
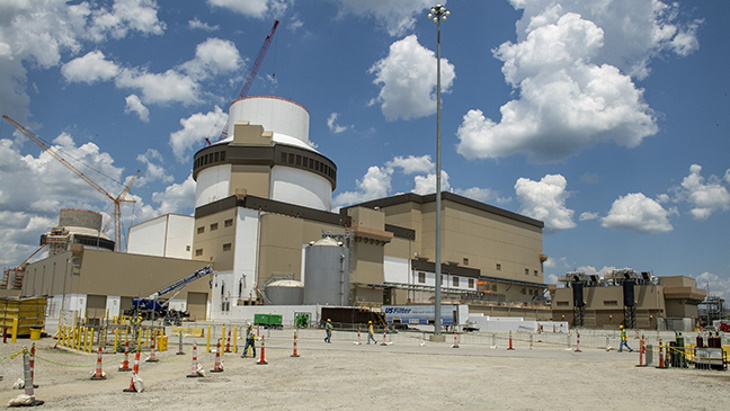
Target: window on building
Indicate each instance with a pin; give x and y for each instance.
(455, 281)
(523, 291)
(228, 223)
(499, 267)
(535, 273)
(466, 261)
(187, 248)
(201, 230)
(442, 280)
(421, 277)
(213, 226)
(494, 287)
(527, 271)
(227, 247)
(471, 283)
(198, 252)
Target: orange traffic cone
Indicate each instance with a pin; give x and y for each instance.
(135, 372)
(661, 355)
(99, 374)
(295, 354)
(262, 359)
(510, 341)
(218, 366)
(456, 341)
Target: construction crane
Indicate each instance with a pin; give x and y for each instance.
(118, 200)
(251, 74)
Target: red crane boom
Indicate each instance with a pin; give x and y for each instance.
(252, 73)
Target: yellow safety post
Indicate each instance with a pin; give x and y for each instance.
(14, 335)
(207, 340)
(235, 339)
(223, 335)
(89, 348)
(116, 338)
(85, 339)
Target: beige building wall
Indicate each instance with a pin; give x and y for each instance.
(213, 239)
(104, 273)
(254, 179)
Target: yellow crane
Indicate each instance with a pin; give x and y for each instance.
(118, 200)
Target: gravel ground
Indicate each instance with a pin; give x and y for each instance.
(411, 373)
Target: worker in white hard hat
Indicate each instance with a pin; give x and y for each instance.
(624, 340)
(328, 329)
(371, 333)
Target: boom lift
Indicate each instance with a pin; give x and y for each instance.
(152, 308)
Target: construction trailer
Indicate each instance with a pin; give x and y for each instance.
(421, 316)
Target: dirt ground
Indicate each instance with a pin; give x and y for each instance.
(411, 373)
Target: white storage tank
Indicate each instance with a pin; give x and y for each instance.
(327, 273)
(285, 292)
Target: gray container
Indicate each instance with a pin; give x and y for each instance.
(285, 292)
(326, 269)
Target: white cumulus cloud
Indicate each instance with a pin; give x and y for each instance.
(196, 24)
(423, 185)
(412, 164)
(134, 105)
(573, 67)
(196, 129)
(89, 69)
(34, 35)
(334, 126)
(376, 183)
(213, 56)
(706, 197)
(544, 200)
(158, 88)
(636, 212)
(254, 8)
(396, 17)
(407, 80)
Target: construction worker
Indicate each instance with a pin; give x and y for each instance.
(371, 333)
(250, 342)
(328, 329)
(624, 340)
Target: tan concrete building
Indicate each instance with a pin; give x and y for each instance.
(97, 283)
(659, 303)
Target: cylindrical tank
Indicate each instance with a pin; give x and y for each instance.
(285, 292)
(326, 273)
(276, 114)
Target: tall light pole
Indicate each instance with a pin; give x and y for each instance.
(437, 14)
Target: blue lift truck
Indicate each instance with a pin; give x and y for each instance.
(153, 308)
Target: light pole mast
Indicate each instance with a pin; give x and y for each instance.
(437, 14)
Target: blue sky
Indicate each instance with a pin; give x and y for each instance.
(607, 120)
